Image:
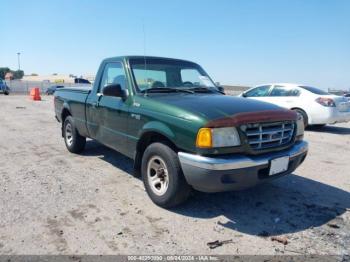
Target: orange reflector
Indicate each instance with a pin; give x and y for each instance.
(204, 138)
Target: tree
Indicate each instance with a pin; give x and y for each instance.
(18, 74)
(3, 71)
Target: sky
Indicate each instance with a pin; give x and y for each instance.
(245, 42)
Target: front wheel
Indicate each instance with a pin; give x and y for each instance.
(162, 176)
(75, 143)
(6, 93)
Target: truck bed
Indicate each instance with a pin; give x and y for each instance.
(74, 100)
(80, 89)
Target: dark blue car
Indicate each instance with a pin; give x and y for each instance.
(4, 88)
(51, 90)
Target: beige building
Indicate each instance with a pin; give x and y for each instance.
(57, 78)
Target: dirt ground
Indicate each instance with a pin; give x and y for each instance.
(55, 202)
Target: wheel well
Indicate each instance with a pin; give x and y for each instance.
(145, 140)
(65, 113)
(298, 108)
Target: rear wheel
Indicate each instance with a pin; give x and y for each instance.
(303, 115)
(6, 93)
(162, 176)
(75, 143)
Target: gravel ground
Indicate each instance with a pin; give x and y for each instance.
(54, 202)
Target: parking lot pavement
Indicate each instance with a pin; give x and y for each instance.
(54, 202)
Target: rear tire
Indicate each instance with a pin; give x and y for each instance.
(304, 116)
(6, 93)
(75, 143)
(162, 176)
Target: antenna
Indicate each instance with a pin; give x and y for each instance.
(144, 52)
(144, 39)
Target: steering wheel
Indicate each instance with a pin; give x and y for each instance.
(187, 84)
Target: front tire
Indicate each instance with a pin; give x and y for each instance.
(6, 93)
(162, 176)
(75, 143)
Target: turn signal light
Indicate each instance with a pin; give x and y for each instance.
(204, 138)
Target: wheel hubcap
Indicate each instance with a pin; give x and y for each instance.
(157, 175)
(69, 134)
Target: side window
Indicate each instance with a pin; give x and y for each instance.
(113, 74)
(294, 92)
(258, 91)
(284, 91)
(279, 91)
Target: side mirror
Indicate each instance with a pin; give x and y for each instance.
(114, 90)
(244, 95)
(221, 89)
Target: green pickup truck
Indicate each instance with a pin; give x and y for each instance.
(181, 130)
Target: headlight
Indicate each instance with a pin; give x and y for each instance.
(217, 137)
(300, 128)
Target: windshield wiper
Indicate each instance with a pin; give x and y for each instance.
(201, 89)
(204, 89)
(165, 90)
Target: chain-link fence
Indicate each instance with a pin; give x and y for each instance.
(24, 87)
(235, 90)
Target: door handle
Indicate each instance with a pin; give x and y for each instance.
(97, 103)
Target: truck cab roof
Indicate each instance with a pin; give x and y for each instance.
(129, 57)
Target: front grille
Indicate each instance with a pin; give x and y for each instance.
(268, 135)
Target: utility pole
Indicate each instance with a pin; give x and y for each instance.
(19, 60)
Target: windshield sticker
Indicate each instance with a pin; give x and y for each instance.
(206, 81)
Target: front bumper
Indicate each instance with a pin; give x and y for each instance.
(236, 172)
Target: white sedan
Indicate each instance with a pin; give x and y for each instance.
(316, 106)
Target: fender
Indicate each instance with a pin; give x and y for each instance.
(159, 127)
(65, 106)
(153, 126)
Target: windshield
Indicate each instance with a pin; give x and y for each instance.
(315, 90)
(159, 73)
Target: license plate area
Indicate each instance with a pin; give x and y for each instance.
(278, 165)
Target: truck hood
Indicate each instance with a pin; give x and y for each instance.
(211, 106)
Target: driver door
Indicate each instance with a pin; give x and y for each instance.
(112, 112)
